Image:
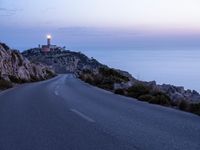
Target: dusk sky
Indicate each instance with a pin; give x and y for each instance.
(101, 23)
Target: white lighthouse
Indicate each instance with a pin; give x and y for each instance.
(49, 40)
(49, 47)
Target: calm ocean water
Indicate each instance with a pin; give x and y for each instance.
(177, 67)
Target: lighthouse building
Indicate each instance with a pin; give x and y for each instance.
(48, 47)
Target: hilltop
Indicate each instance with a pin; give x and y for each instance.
(62, 61)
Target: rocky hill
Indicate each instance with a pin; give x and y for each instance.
(14, 68)
(63, 61)
(66, 61)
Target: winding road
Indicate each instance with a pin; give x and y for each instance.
(65, 113)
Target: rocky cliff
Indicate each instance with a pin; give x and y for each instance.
(17, 69)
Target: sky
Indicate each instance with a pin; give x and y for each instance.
(101, 23)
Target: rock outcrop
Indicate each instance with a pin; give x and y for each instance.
(17, 69)
(176, 93)
(179, 93)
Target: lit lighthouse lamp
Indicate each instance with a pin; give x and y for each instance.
(48, 36)
(49, 47)
(49, 40)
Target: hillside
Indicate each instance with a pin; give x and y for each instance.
(14, 68)
(65, 61)
(62, 61)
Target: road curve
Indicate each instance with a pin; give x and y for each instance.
(65, 113)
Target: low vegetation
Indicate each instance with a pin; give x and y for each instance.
(14, 79)
(5, 84)
(189, 107)
(107, 77)
(146, 93)
(194, 108)
(113, 75)
(104, 79)
(50, 74)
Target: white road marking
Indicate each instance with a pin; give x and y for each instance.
(56, 93)
(6, 91)
(82, 115)
(56, 90)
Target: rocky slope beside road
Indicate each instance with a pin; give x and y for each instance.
(165, 95)
(14, 68)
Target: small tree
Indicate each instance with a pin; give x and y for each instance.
(120, 92)
(183, 105)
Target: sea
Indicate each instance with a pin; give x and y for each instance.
(177, 67)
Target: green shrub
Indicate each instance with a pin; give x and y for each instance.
(33, 79)
(106, 86)
(146, 97)
(195, 108)
(138, 90)
(174, 103)
(105, 79)
(5, 84)
(120, 92)
(160, 99)
(113, 75)
(87, 71)
(183, 105)
(97, 80)
(89, 80)
(16, 80)
(50, 74)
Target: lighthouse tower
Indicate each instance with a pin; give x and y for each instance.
(49, 41)
(49, 47)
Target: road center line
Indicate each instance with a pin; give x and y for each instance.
(82, 115)
(56, 91)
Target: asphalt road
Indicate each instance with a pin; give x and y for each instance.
(65, 113)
